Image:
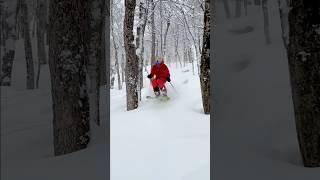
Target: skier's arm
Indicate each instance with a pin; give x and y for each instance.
(151, 73)
(167, 72)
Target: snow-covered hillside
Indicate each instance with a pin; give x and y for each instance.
(161, 140)
(253, 131)
(27, 135)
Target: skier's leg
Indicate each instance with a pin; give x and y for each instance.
(155, 87)
(162, 86)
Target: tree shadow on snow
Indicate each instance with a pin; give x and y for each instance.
(243, 64)
(290, 156)
(240, 31)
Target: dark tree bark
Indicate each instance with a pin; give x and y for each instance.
(304, 54)
(257, 2)
(131, 57)
(103, 63)
(41, 27)
(27, 45)
(266, 21)
(8, 38)
(205, 61)
(95, 57)
(69, 48)
(1, 44)
(153, 36)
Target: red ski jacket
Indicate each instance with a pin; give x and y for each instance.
(160, 70)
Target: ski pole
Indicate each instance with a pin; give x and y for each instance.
(173, 88)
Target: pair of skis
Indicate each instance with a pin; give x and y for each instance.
(160, 98)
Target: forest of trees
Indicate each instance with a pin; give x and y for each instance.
(71, 40)
(149, 30)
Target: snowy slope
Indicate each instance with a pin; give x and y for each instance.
(27, 137)
(254, 130)
(161, 140)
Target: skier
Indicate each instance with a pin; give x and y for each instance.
(159, 75)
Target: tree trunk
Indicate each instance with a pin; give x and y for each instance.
(123, 68)
(153, 36)
(1, 43)
(8, 38)
(103, 63)
(131, 57)
(226, 8)
(303, 53)
(186, 24)
(139, 43)
(165, 39)
(177, 57)
(95, 56)
(184, 48)
(69, 48)
(145, 16)
(191, 59)
(27, 45)
(41, 25)
(205, 61)
(238, 8)
(266, 21)
(117, 66)
(283, 11)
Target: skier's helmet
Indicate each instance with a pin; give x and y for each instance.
(158, 63)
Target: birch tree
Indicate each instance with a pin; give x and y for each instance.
(303, 54)
(115, 46)
(69, 48)
(140, 43)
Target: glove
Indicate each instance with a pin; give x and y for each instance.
(168, 79)
(149, 76)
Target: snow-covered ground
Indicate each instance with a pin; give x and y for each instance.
(161, 140)
(157, 141)
(27, 136)
(253, 122)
